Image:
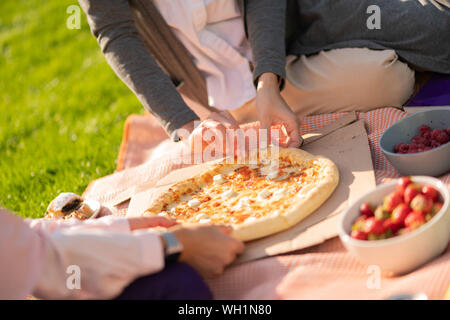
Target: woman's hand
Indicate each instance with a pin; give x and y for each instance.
(208, 249)
(216, 133)
(273, 110)
(150, 222)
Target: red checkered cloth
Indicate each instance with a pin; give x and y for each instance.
(325, 271)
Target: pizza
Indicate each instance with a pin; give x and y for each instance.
(271, 193)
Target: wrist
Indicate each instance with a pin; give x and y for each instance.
(183, 235)
(184, 131)
(172, 247)
(188, 126)
(268, 82)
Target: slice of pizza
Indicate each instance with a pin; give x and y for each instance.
(268, 193)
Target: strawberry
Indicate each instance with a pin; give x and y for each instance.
(391, 225)
(392, 200)
(430, 192)
(359, 235)
(403, 182)
(374, 226)
(359, 223)
(411, 191)
(400, 213)
(437, 206)
(381, 213)
(366, 209)
(415, 219)
(421, 203)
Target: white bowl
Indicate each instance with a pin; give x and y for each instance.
(404, 253)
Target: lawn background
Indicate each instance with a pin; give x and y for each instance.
(62, 108)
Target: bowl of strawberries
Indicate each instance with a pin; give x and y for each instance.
(400, 225)
(419, 144)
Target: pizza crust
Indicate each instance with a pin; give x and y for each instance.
(307, 200)
(306, 205)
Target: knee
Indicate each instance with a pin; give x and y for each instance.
(176, 282)
(375, 79)
(186, 283)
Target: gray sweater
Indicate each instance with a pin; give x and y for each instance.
(419, 34)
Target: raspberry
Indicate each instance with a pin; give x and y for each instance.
(435, 133)
(427, 135)
(442, 137)
(403, 148)
(423, 129)
(435, 144)
(416, 139)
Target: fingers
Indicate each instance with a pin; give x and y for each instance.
(160, 222)
(224, 117)
(293, 131)
(225, 229)
(291, 126)
(150, 222)
(265, 130)
(237, 246)
(232, 122)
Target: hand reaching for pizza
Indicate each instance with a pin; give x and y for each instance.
(150, 222)
(273, 110)
(210, 137)
(208, 249)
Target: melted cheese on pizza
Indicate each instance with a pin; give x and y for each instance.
(241, 195)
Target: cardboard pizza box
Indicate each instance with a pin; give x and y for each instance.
(345, 142)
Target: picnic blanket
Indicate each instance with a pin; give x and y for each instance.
(325, 271)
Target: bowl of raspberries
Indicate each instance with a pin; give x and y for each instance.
(419, 144)
(400, 225)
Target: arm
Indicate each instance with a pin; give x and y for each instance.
(34, 260)
(110, 223)
(265, 21)
(112, 23)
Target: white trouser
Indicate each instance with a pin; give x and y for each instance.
(342, 80)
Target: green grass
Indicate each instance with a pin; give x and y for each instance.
(62, 108)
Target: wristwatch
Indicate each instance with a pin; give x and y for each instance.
(173, 247)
